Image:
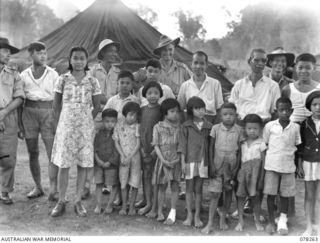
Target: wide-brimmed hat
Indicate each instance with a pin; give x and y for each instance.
(164, 41)
(105, 43)
(4, 43)
(281, 52)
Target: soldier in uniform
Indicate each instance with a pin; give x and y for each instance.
(11, 97)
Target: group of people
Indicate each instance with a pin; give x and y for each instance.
(164, 124)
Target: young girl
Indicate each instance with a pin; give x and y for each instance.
(194, 149)
(75, 94)
(150, 115)
(168, 167)
(250, 176)
(127, 140)
(309, 163)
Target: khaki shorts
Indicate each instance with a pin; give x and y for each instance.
(38, 121)
(131, 174)
(279, 183)
(108, 177)
(218, 185)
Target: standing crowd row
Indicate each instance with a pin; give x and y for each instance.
(164, 124)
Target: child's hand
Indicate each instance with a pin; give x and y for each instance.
(106, 164)
(300, 172)
(183, 168)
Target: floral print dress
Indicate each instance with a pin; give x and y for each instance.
(73, 142)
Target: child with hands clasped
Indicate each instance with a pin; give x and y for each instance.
(309, 163)
(106, 159)
(168, 168)
(127, 141)
(194, 148)
(225, 145)
(251, 174)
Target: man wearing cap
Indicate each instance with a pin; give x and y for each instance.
(37, 116)
(279, 60)
(11, 97)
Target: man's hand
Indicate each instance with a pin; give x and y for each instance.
(3, 114)
(2, 126)
(300, 172)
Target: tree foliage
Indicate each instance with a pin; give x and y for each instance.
(147, 14)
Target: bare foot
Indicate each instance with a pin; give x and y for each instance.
(144, 210)
(123, 212)
(160, 217)
(239, 227)
(197, 222)
(151, 214)
(108, 210)
(223, 224)
(207, 230)
(98, 210)
(169, 221)
(132, 212)
(188, 221)
(259, 226)
(271, 228)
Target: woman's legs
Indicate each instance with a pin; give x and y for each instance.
(63, 178)
(81, 180)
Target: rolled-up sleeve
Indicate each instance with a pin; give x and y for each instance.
(18, 87)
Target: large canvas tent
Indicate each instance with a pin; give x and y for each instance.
(111, 19)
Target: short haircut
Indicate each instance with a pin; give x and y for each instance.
(131, 107)
(229, 105)
(168, 104)
(283, 100)
(253, 118)
(306, 57)
(258, 50)
(109, 113)
(201, 53)
(313, 95)
(36, 46)
(152, 84)
(194, 103)
(126, 74)
(74, 49)
(153, 63)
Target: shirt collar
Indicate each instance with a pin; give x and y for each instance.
(278, 123)
(262, 79)
(112, 68)
(232, 129)
(173, 66)
(206, 80)
(190, 123)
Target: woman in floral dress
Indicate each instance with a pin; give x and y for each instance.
(76, 92)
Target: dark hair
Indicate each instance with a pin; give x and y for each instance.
(311, 97)
(131, 107)
(194, 103)
(36, 46)
(253, 118)
(306, 57)
(283, 100)
(74, 49)
(152, 84)
(258, 50)
(109, 113)
(125, 74)
(153, 63)
(201, 53)
(229, 105)
(168, 104)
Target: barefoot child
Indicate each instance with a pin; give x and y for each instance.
(194, 149)
(225, 143)
(168, 168)
(250, 175)
(309, 163)
(150, 115)
(106, 160)
(127, 141)
(281, 136)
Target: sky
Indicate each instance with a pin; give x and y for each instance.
(215, 16)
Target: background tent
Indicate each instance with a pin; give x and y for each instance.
(111, 19)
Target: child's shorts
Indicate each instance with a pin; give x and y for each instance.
(219, 185)
(196, 169)
(131, 174)
(283, 183)
(106, 177)
(248, 177)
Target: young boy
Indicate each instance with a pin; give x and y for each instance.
(37, 116)
(225, 144)
(125, 82)
(106, 160)
(281, 136)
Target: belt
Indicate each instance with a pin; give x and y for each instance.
(38, 104)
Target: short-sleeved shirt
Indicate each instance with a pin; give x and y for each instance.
(11, 86)
(252, 151)
(210, 92)
(281, 146)
(42, 88)
(284, 81)
(108, 80)
(227, 140)
(117, 103)
(260, 100)
(167, 93)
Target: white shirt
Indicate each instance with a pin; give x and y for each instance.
(210, 92)
(41, 89)
(167, 93)
(253, 151)
(281, 146)
(260, 100)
